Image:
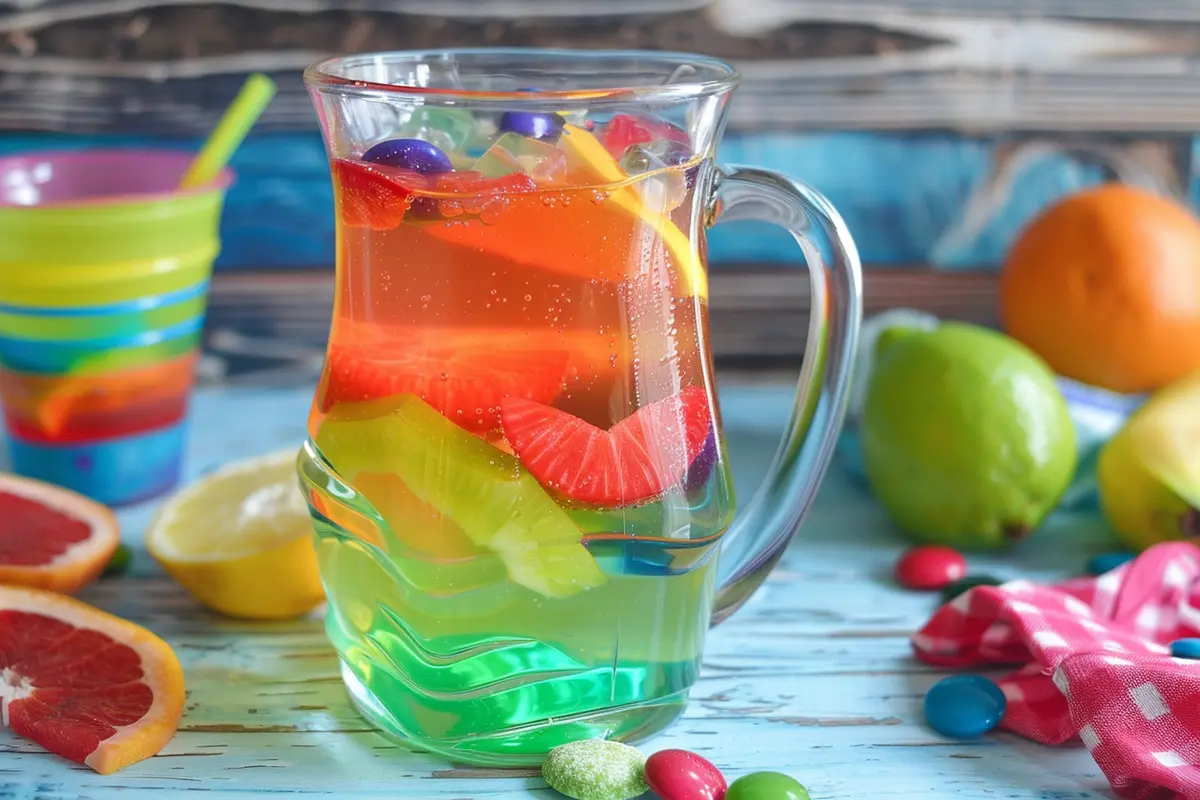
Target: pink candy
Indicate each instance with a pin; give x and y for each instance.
(682, 775)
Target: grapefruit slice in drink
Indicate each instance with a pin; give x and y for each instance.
(636, 460)
(86, 685)
(52, 538)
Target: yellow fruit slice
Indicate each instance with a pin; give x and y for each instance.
(582, 146)
(240, 540)
(84, 684)
(1149, 473)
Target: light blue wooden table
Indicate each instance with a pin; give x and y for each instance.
(812, 677)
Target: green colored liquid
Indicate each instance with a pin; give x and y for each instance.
(451, 655)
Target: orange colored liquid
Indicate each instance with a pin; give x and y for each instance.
(568, 299)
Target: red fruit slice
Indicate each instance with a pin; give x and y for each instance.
(464, 377)
(372, 196)
(52, 538)
(84, 684)
(637, 459)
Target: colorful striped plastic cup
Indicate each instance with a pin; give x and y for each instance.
(104, 271)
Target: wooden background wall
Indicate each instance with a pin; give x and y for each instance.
(938, 127)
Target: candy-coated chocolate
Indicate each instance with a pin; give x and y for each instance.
(766, 786)
(930, 567)
(1106, 562)
(547, 127)
(953, 590)
(411, 154)
(1186, 648)
(683, 775)
(964, 706)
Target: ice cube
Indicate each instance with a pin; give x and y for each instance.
(513, 152)
(665, 186)
(451, 129)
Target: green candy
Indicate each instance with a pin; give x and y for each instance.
(122, 557)
(596, 769)
(766, 786)
(953, 590)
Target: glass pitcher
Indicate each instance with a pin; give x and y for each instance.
(516, 469)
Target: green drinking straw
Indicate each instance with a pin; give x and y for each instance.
(235, 123)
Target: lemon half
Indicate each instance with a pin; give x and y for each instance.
(241, 540)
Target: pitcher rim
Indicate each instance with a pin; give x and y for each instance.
(319, 76)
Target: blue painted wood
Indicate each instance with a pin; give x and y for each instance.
(904, 196)
(812, 677)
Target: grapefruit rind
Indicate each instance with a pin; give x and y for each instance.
(83, 561)
(161, 671)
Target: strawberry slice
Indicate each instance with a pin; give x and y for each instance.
(373, 196)
(465, 377)
(637, 459)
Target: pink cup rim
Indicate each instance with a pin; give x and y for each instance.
(146, 157)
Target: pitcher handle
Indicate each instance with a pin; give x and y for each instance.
(761, 532)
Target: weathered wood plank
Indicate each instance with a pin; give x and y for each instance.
(168, 68)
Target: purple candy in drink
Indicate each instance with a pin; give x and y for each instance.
(546, 127)
(411, 154)
(418, 156)
(701, 468)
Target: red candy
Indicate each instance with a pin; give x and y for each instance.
(682, 775)
(930, 567)
(625, 130)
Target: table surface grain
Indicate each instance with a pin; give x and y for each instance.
(812, 677)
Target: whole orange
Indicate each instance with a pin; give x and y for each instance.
(1105, 285)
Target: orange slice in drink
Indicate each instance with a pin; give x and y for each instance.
(86, 685)
(596, 232)
(52, 538)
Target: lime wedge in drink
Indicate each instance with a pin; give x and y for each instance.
(486, 492)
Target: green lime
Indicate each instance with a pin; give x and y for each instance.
(966, 439)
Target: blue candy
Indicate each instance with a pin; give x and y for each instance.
(964, 706)
(412, 154)
(1105, 562)
(1186, 648)
(547, 127)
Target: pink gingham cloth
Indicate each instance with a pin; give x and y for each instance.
(1094, 664)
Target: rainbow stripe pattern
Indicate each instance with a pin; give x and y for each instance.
(104, 272)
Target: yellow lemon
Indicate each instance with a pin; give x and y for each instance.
(240, 540)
